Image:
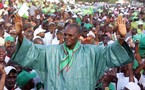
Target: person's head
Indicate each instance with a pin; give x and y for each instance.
(128, 26)
(38, 41)
(11, 75)
(59, 34)
(29, 34)
(95, 30)
(25, 80)
(134, 31)
(105, 39)
(85, 31)
(66, 15)
(27, 26)
(140, 26)
(2, 53)
(9, 41)
(45, 25)
(71, 35)
(39, 32)
(52, 26)
(13, 33)
(11, 49)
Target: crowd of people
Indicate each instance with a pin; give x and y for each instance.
(64, 46)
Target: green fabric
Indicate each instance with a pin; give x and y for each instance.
(78, 20)
(25, 16)
(144, 25)
(135, 64)
(142, 46)
(90, 63)
(68, 59)
(136, 37)
(134, 25)
(88, 25)
(111, 86)
(88, 11)
(139, 31)
(24, 77)
(135, 13)
(9, 38)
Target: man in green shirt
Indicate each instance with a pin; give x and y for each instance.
(71, 66)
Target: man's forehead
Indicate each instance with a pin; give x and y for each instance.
(70, 30)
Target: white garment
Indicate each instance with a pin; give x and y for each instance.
(110, 42)
(142, 80)
(48, 38)
(6, 35)
(55, 41)
(15, 88)
(122, 81)
(7, 59)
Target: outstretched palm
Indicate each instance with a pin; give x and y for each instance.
(121, 26)
(18, 24)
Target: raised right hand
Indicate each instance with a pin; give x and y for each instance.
(18, 24)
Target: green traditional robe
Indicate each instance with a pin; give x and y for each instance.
(89, 64)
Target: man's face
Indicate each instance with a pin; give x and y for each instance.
(10, 49)
(84, 34)
(8, 43)
(11, 79)
(2, 54)
(71, 36)
(105, 39)
(41, 34)
(51, 28)
(141, 27)
(29, 35)
(128, 26)
(59, 36)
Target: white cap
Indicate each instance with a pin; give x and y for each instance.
(8, 69)
(91, 34)
(1, 20)
(5, 5)
(2, 41)
(38, 30)
(140, 23)
(132, 86)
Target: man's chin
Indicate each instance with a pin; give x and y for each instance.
(68, 45)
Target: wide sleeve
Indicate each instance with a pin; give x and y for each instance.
(32, 56)
(117, 55)
(113, 55)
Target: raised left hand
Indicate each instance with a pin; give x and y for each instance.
(121, 26)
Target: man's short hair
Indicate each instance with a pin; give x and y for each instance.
(74, 25)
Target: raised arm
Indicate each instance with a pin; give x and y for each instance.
(121, 29)
(19, 27)
(3, 77)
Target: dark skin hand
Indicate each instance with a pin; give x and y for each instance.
(137, 54)
(131, 75)
(108, 77)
